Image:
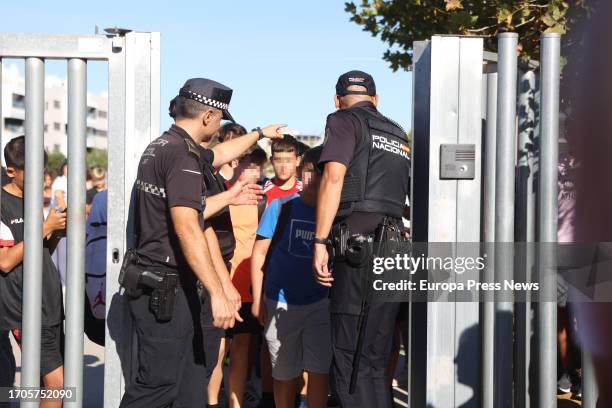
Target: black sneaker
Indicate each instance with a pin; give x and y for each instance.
(564, 385)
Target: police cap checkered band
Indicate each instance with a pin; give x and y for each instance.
(210, 93)
(203, 99)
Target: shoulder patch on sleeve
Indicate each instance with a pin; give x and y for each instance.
(193, 148)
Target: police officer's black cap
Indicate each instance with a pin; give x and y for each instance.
(210, 93)
(355, 78)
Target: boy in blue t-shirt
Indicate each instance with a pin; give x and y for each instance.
(291, 305)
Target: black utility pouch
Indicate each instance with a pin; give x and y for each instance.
(129, 274)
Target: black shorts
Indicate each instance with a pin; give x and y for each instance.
(51, 347)
(249, 324)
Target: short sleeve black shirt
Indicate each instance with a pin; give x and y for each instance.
(11, 283)
(220, 222)
(169, 175)
(342, 133)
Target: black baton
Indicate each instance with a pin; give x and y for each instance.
(365, 308)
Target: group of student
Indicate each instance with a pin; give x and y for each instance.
(274, 238)
(285, 319)
(284, 309)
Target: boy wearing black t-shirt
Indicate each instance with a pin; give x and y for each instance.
(11, 270)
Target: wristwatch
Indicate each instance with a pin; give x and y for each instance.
(323, 241)
(260, 132)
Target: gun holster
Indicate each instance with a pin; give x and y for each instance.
(162, 285)
(129, 274)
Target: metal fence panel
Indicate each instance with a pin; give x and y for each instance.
(134, 84)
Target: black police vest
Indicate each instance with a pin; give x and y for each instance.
(221, 222)
(378, 177)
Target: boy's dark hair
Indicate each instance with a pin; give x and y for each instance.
(301, 148)
(288, 144)
(181, 107)
(14, 153)
(230, 131)
(259, 156)
(253, 154)
(312, 156)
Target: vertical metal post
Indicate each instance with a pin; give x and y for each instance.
(134, 69)
(548, 213)
(589, 383)
(421, 94)
(75, 279)
(33, 249)
(488, 319)
(1, 125)
(118, 325)
(525, 230)
(504, 214)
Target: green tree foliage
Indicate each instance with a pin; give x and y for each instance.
(401, 22)
(56, 158)
(97, 157)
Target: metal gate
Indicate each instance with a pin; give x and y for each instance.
(133, 121)
(463, 95)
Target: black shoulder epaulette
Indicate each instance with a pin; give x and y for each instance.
(192, 147)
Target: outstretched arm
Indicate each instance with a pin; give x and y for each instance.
(232, 149)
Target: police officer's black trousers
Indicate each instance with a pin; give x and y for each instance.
(372, 388)
(169, 374)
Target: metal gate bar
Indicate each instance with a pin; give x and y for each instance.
(525, 229)
(488, 307)
(33, 220)
(504, 214)
(75, 279)
(548, 213)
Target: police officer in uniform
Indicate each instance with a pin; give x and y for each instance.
(160, 275)
(363, 192)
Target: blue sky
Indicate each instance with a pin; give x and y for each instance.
(281, 57)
